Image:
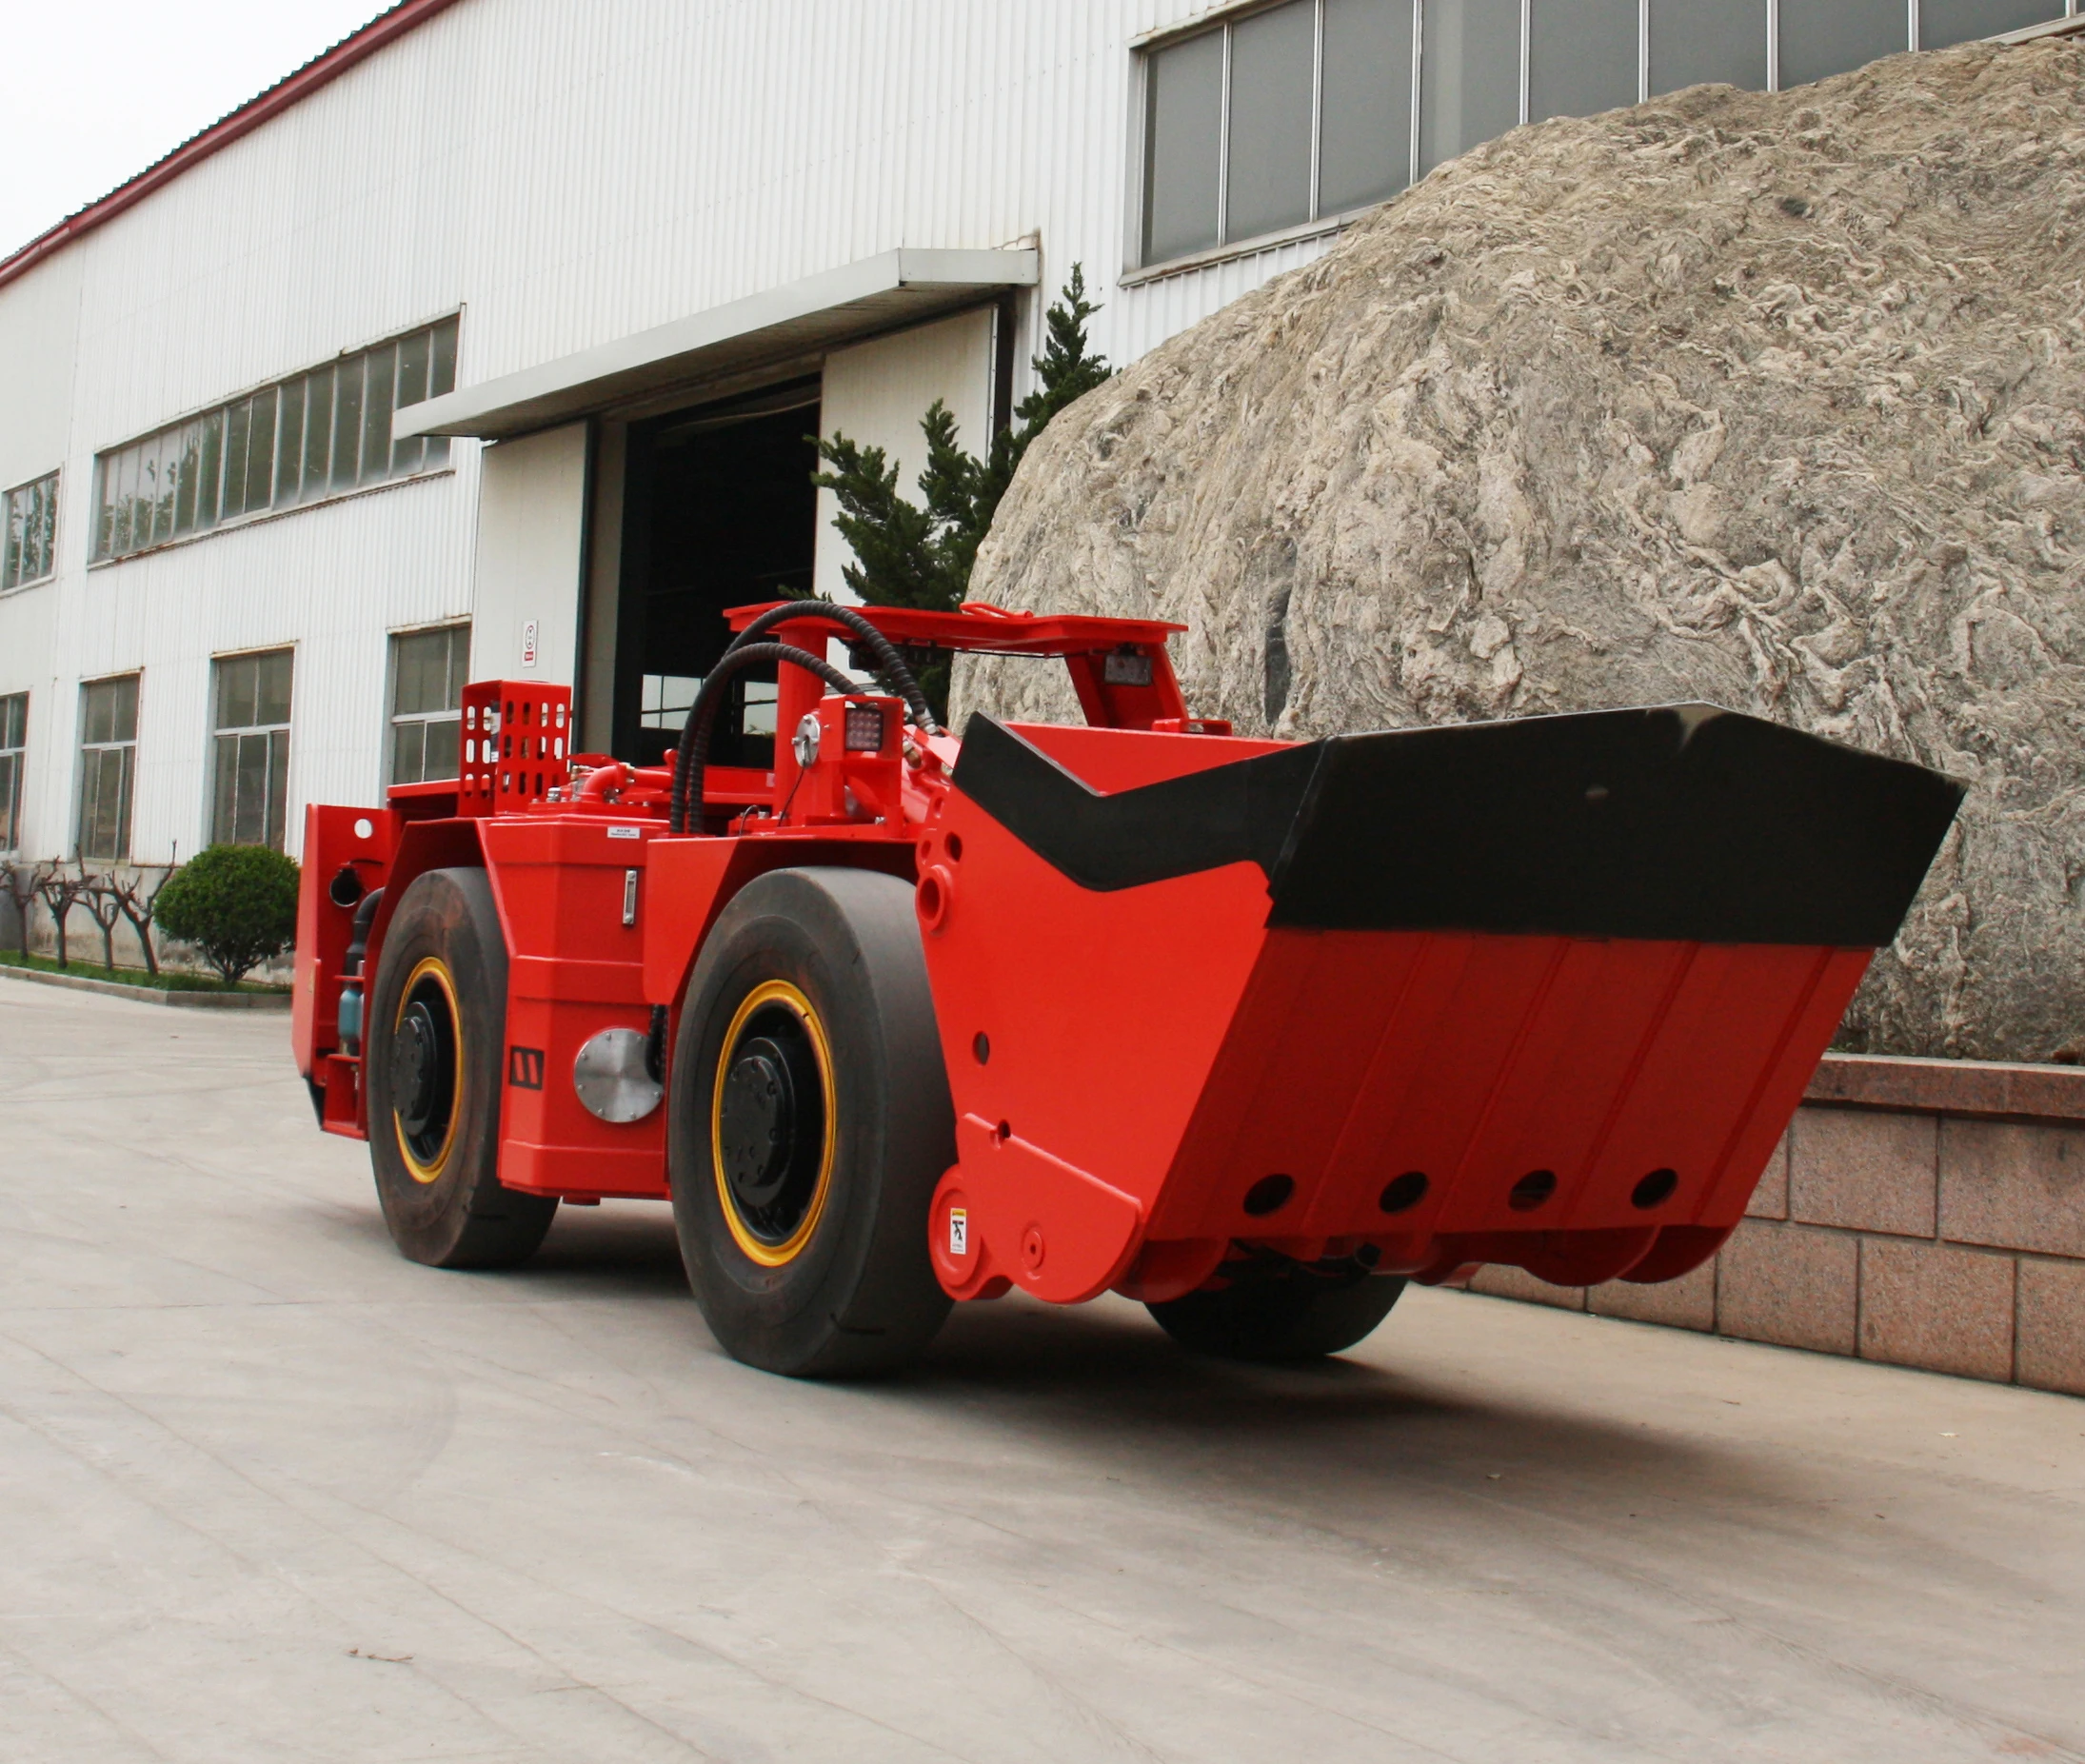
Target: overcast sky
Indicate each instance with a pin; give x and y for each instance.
(91, 92)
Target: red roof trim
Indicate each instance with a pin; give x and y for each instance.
(320, 70)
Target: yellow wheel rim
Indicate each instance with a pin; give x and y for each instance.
(428, 1166)
(774, 993)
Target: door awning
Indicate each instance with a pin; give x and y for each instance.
(778, 324)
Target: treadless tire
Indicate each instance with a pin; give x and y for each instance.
(811, 1123)
(433, 1060)
(1292, 1315)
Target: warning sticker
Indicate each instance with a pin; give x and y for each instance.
(958, 1231)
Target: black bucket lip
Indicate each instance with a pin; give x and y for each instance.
(1686, 822)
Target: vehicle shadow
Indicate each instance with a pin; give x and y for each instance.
(626, 1248)
(609, 1251)
(1104, 1381)
(1103, 1385)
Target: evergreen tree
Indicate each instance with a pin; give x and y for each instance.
(909, 556)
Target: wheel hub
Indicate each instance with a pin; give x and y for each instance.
(415, 1067)
(425, 1071)
(759, 1122)
(770, 1124)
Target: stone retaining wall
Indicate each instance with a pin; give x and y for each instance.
(1923, 1212)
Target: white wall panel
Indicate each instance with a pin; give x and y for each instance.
(39, 331)
(875, 394)
(531, 525)
(564, 173)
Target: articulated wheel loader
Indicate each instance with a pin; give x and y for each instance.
(1254, 1032)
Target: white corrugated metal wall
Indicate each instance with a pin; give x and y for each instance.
(565, 172)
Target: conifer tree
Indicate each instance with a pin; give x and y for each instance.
(910, 556)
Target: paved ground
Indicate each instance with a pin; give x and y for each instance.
(269, 1493)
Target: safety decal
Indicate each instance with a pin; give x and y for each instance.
(524, 1067)
(958, 1231)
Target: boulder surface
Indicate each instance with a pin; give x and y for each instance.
(1773, 400)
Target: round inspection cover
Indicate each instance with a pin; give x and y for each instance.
(611, 1079)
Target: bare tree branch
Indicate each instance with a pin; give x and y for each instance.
(138, 907)
(61, 892)
(24, 885)
(104, 904)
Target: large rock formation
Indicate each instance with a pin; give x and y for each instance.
(1776, 400)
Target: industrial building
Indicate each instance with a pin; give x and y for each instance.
(490, 343)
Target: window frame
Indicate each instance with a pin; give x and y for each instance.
(394, 718)
(286, 492)
(277, 837)
(1145, 50)
(1138, 267)
(14, 756)
(126, 775)
(51, 483)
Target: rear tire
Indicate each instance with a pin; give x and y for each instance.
(432, 1064)
(810, 1124)
(1282, 1315)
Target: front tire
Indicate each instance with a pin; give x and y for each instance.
(1274, 1315)
(810, 1123)
(432, 1064)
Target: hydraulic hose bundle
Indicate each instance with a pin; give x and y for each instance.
(690, 758)
(745, 651)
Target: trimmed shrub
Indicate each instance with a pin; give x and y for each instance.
(905, 556)
(236, 904)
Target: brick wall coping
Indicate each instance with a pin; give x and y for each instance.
(1988, 1088)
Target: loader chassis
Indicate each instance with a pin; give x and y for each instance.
(1249, 1030)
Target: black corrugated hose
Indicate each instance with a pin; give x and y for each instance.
(690, 758)
(889, 663)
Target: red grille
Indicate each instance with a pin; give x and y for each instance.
(516, 740)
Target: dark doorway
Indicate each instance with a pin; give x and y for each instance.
(719, 511)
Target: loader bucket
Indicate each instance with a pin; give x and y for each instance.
(1543, 992)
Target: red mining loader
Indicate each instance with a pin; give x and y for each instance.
(1251, 1031)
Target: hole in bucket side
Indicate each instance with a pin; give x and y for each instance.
(1532, 1190)
(1402, 1193)
(1655, 1189)
(1270, 1194)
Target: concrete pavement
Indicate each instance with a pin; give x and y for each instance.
(268, 1492)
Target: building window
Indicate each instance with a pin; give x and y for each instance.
(1290, 113)
(251, 762)
(1581, 57)
(29, 538)
(1945, 22)
(748, 714)
(1823, 37)
(302, 439)
(665, 700)
(14, 740)
(1469, 78)
(1694, 42)
(1275, 118)
(107, 768)
(429, 669)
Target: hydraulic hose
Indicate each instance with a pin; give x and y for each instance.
(889, 663)
(692, 760)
